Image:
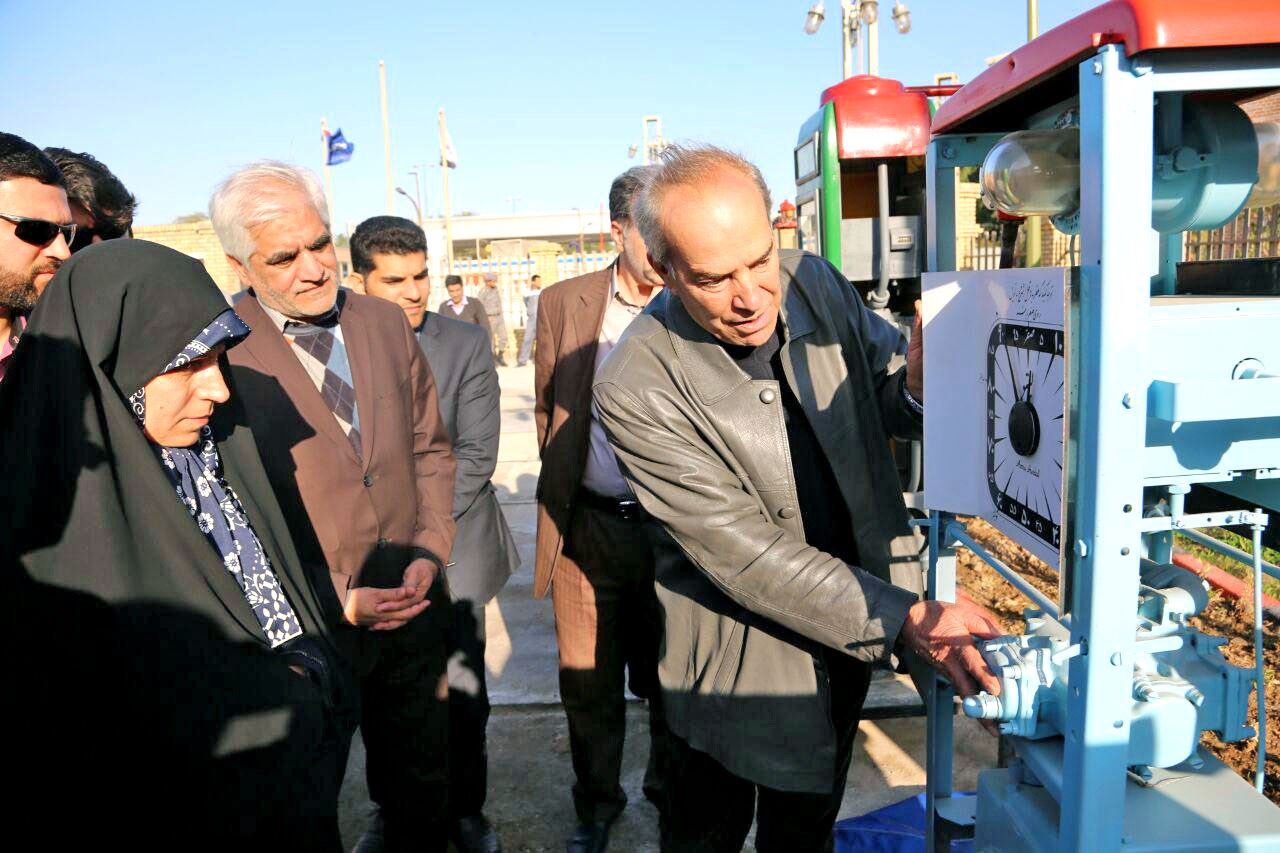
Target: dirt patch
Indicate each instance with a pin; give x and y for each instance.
(1224, 617)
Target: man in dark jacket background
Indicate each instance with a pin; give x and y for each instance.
(592, 551)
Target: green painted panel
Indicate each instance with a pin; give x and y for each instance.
(830, 198)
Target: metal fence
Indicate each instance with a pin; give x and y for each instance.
(981, 251)
(1253, 234)
(513, 279)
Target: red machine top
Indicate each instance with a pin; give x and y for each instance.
(876, 117)
(1137, 24)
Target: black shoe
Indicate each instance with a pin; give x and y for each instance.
(373, 840)
(475, 835)
(590, 837)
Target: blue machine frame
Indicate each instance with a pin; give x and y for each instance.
(1120, 335)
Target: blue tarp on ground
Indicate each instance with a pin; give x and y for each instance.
(898, 828)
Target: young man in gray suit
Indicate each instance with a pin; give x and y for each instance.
(390, 255)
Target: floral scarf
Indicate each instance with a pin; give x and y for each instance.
(196, 475)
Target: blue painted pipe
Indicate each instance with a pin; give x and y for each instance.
(1227, 551)
(956, 531)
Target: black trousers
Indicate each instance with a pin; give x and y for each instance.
(607, 626)
(468, 712)
(405, 723)
(709, 810)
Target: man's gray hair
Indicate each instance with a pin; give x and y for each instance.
(685, 165)
(625, 188)
(256, 194)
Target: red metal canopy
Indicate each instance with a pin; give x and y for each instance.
(1137, 24)
(876, 117)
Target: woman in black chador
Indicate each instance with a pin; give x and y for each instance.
(171, 679)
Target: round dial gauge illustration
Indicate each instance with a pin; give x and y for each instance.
(1024, 427)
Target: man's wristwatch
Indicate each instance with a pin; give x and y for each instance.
(914, 404)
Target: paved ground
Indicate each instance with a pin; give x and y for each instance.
(530, 770)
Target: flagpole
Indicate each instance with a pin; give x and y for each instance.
(328, 176)
(386, 134)
(444, 171)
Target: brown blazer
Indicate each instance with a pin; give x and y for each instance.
(570, 316)
(362, 519)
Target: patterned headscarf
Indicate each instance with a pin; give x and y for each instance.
(196, 474)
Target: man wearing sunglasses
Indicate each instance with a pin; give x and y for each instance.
(101, 206)
(36, 232)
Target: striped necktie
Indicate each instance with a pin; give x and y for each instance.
(319, 342)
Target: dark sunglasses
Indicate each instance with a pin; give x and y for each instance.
(39, 232)
(84, 236)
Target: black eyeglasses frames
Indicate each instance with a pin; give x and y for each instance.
(39, 232)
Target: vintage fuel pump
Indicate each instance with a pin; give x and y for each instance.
(859, 168)
(1076, 408)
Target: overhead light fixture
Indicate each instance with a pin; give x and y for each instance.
(814, 19)
(1033, 173)
(902, 17)
(870, 11)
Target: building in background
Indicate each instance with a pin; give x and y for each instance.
(197, 239)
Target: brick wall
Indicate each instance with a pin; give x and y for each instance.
(1265, 108)
(197, 240)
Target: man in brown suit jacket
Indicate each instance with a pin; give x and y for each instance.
(592, 552)
(345, 412)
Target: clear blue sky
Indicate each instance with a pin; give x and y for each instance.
(543, 99)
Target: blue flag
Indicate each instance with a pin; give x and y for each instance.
(340, 149)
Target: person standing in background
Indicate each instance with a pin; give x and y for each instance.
(36, 232)
(389, 254)
(593, 554)
(460, 307)
(531, 319)
(491, 299)
(101, 206)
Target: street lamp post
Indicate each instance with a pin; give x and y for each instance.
(652, 143)
(1034, 243)
(582, 249)
(854, 14)
(417, 193)
(417, 209)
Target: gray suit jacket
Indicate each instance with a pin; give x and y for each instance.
(484, 551)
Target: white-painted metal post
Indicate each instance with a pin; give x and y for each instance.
(328, 173)
(386, 134)
(873, 47)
